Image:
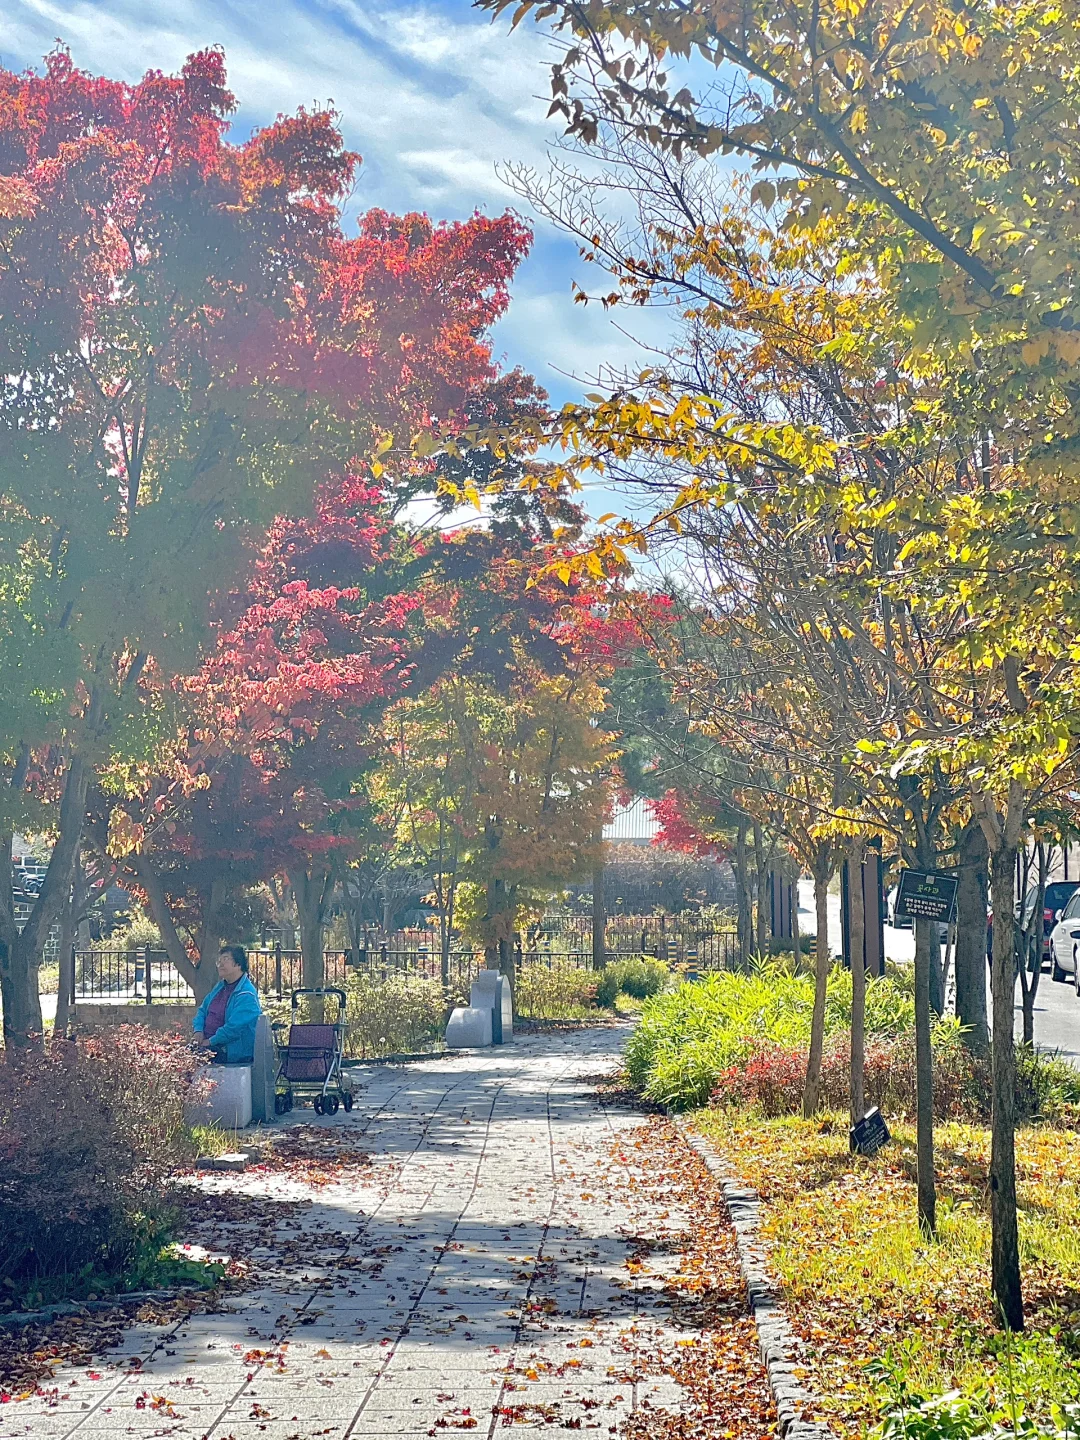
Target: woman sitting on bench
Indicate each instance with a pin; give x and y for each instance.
(225, 1021)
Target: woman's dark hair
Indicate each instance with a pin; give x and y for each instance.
(238, 953)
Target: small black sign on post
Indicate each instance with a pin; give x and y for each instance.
(870, 1134)
(925, 896)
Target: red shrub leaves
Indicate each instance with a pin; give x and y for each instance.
(771, 1080)
(89, 1134)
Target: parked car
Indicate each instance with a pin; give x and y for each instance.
(1061, 926)
(898, 922)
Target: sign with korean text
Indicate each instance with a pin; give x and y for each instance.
(925, 896)
(870, 1134)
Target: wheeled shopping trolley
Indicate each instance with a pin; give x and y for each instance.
(309, 1060)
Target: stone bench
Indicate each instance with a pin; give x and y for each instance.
(237, 1095)
(488, 1019)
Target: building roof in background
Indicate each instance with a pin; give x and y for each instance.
(632, 824)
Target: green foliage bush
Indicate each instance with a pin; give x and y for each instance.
(742, 1038)
(140, 930)
(1034, 1394)
(90, 1135)
(637, 976)
(1046, 1085)
(689, 1036)
(392, 1016)
(561, 993)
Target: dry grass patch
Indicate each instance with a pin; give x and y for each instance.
(860, 1280)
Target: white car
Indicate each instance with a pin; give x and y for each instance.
(1064, 938)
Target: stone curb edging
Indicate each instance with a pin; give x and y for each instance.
(775, 1335)
(405, 1057)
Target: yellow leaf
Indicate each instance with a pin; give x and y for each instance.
(1067, 345)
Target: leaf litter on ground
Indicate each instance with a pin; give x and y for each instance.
(256, 1237)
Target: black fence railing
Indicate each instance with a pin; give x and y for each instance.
(142, 974)
(277, 971)
(145, 974)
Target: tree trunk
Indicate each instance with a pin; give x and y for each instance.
(66, 981)
(1029, 989)
(599, 909)
(970, 961)
(21, 957)
(446, 932)
(309, 890)
(812, 1083)
(762, 917)
(498, 922)
(200, 974)
(23, 1025)
(62, 1021)
(742, 896)
(857, 940)
(1004, 1241)
(924, 1082)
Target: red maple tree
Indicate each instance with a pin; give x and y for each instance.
(316, 641)
(139, 247)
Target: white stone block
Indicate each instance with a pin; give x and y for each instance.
(507, 1009)
(228, 1095)
(491, 990)
(263, 1073)
(483, 990)
(469, 1026)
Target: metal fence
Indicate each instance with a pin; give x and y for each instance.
(277, 971)
(135, 975)
(144, 974)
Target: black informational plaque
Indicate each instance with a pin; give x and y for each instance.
(925, 896)
(870, 1134)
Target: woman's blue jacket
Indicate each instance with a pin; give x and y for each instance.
(237, 1034)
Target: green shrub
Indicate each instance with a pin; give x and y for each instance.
(140, 930)
(561, 993)
(1046, 1085)
(390, 1016)
(90, 1135)
(638, 976)
(1030, 1392)
(689, 1036)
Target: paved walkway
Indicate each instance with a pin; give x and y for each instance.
(507, 1260)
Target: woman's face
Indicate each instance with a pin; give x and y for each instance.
(227, 967)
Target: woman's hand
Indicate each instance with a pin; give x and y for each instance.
(201, 1042)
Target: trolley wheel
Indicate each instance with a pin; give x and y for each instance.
(347, 1101)
(288, 1100)
(281, 1103)
(317, 1104)
(330, 1104)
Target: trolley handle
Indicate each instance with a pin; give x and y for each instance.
(340, 995)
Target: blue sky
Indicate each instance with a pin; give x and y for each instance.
(429, 91)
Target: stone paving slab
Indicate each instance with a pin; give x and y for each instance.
(472, 1279)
